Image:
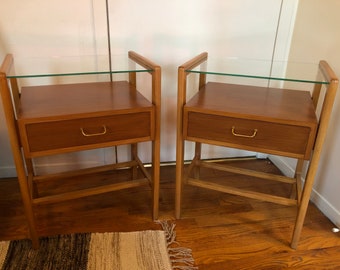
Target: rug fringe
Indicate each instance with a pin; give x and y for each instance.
(180, 257)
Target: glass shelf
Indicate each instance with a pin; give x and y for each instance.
(261, 69)
(57, 66)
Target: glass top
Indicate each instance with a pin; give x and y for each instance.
(56, 66)
(261, 69)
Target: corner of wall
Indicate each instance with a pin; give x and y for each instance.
(287, 167)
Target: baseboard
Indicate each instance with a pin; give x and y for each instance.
(284, 166)
(10, 171)
(326, 208)
(7, 172)
(320, 202)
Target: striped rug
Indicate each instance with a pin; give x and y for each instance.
(143, 250)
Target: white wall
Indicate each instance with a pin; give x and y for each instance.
(316, 36)
(168, 32)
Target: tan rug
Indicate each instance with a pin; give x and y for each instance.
(144, 250)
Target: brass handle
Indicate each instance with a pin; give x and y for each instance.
(242, 135)
(93, 134)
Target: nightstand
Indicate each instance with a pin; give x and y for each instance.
(260, 118)
(56, 118)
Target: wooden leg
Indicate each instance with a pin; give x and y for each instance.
(22, 178)
(299, 180)
(179, 176)
(27, 201)
(306, 192)
(134, 153)
(156, 176)
(30, 175)
(302, 210)
(296, 192)
(198, 151)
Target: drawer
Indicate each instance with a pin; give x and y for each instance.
(249, 134)
(86, 133)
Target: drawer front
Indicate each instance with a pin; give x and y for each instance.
(84, 132)
(253, 135)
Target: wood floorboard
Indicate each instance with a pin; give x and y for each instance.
(223, 231)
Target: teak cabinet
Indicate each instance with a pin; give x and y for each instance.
(264, 119)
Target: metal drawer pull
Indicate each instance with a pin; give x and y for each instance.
(242, 135)
(93, 134)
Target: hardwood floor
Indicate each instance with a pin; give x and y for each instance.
(223, 231)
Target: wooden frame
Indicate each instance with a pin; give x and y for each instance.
(11, 101)
(300, 197)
